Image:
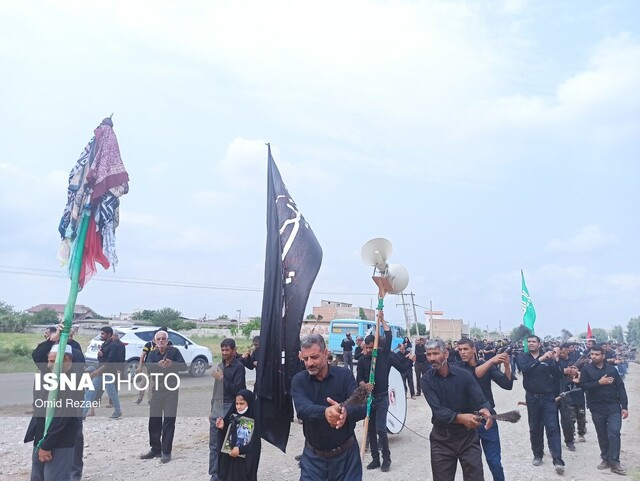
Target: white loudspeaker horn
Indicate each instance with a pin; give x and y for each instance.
(376, 252)
(398, 278)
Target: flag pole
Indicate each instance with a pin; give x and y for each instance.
(76, 267)
(382, 283)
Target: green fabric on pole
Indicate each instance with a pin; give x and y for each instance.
(528, 311)
(68, 317)
(374, 357)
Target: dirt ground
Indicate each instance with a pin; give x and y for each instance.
(112, 447)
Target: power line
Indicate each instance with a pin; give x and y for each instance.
(35, 272)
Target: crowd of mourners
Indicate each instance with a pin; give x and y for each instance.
(562, 381)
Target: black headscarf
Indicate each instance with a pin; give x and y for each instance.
(230, 468)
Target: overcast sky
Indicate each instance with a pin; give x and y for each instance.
(481, 138)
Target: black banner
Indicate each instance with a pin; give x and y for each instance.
(292, 262)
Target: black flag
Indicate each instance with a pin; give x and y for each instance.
(292, 262)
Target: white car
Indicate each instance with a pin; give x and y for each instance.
(198, 358)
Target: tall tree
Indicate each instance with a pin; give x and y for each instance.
(601, 335)
(633, 331)
(165, 316)
(617, 333)
(45, 316)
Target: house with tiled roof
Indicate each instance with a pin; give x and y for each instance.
(79, 313)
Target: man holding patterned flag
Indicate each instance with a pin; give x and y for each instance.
(96, 183)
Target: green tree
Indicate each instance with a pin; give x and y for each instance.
(223, 317)
(253, 325)
(616, 333)
(362, 315)
(633, 331)
(600, 334)
(422, 329)
(12, 320)
(165, 316)
(476, 332)
(144, 315)
(45, 316)
(310, 316)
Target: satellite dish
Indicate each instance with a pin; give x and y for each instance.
(376, 252)
(398, 278)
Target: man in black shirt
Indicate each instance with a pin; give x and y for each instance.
(163, 363)
(109, 362)
(540, 378)
(250, 358)
(54, 457)
(454, 397)
(484, 372)
(347, 351)
(377, 432)
(607, 400)
(229, 379)
(421, 366)
(357, 353)
(331, 450)
(571, 406)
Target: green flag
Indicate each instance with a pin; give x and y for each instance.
(528, 312)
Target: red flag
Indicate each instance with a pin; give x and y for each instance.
(589, 332)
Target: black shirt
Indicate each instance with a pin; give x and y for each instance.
(66, 421)
(539, 377)
(599, 397)
(310, 398)
(347, 344)
(117, 356)
(494, 374)
(421, 353)
(154, 357)
(233, 380)
(385, 360)
(458, 393)
(357, 354)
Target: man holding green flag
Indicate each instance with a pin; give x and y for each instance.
(528, 312)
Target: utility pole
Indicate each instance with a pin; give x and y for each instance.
(407, 313)
(239, 315)
(430, 319)
(415, 315)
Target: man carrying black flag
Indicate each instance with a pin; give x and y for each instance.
(293, 258)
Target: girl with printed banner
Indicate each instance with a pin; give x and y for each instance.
(239, 445)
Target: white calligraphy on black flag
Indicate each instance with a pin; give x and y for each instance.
(293, 258)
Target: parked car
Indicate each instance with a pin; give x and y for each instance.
(198, 358)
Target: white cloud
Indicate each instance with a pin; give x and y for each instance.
(624, 282)
(588, 239)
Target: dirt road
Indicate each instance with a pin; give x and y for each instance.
(112, 447)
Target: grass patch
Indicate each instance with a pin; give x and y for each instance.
(213, 343)
(16, 349)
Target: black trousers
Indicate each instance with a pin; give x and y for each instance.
(420, 369)
(377, 433)
(162, 420)
(450, 446)
(407, 379)
(570, 414)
